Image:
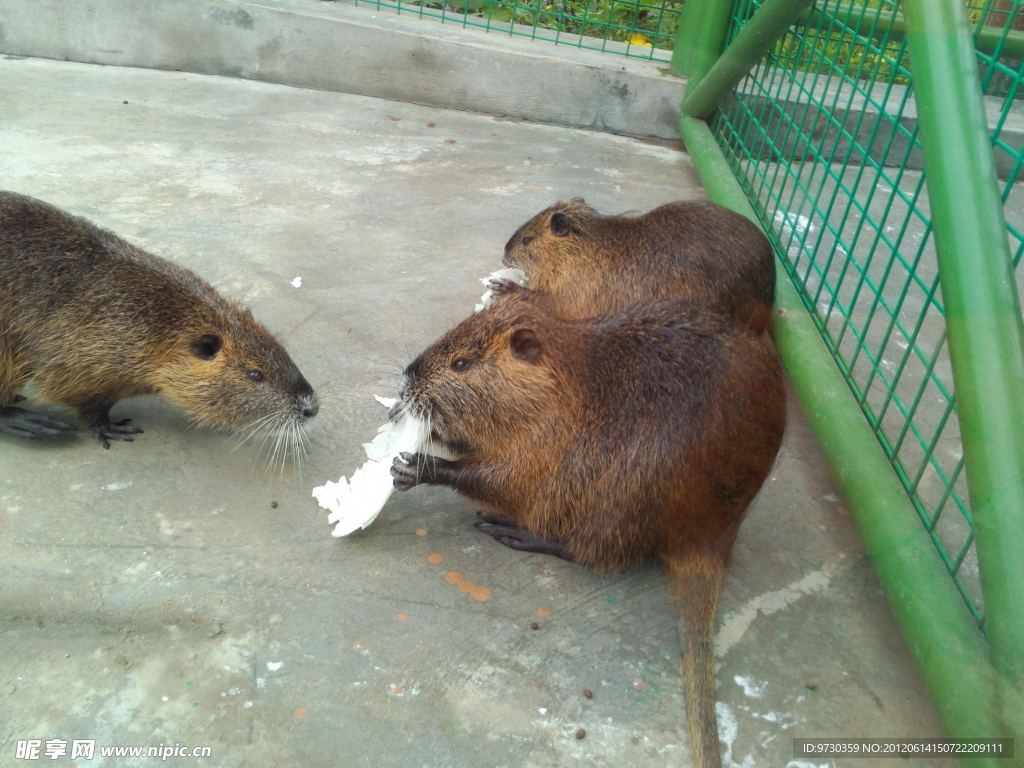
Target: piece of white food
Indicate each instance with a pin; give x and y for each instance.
(355, 503)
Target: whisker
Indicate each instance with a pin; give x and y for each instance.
(253, 428)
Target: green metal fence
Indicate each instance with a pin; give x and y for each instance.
(643, 29)
(821, 138)
(877, 143)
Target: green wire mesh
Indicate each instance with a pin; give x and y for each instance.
(822, 135)
(639, 28)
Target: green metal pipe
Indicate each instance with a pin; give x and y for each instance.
(881, 23)
(702, 35)
(940, 632)
(988, 39)
(857, 18)
(983, 316)
(682, 51)
(758, 36)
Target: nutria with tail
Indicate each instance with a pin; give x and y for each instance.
(607, 442)
(586, 264)
(90, 319)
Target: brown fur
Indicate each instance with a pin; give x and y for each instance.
(91, 319)
(586, 264)
(641, 434)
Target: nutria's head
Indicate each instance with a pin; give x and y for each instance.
(487, 378)
(227, 370)
(549, 238)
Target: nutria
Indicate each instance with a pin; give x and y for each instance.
(91, 319)
(587, 264)
(607, 442)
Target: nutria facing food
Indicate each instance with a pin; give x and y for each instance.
(90, 319)
(608, 442)
(586, 264)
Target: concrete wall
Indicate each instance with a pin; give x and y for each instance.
(337, 47)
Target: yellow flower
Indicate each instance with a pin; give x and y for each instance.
(637, 39)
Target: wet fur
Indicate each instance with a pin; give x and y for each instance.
(642, 434)
(586, 264)
(91, 319)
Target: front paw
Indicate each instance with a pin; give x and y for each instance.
(406, 470)
(501, 286)
(115, 430)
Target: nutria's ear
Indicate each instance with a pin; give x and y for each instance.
(579, 200)
(525, 345)
(207, 346)
(559, 224)
(248, 313)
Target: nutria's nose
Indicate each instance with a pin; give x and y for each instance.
(311, 410)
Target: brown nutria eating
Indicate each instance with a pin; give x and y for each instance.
(608, 442)
(586, 264)
(90, 319)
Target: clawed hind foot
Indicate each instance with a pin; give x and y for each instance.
(506, 532)
(28, 425)
(114, 430)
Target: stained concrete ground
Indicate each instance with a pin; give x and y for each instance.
(153, 593)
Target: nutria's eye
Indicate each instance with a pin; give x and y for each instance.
(460, 364)
(527, 240)
(255, 375)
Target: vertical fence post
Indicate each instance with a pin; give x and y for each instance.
(983, 316)
(701, 37)
(682, 52)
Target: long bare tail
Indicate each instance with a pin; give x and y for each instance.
(697, 578)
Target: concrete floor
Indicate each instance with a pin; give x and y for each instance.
(151, 593)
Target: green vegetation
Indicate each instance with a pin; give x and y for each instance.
(823, 51)
(640, 23)
(860, 39)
